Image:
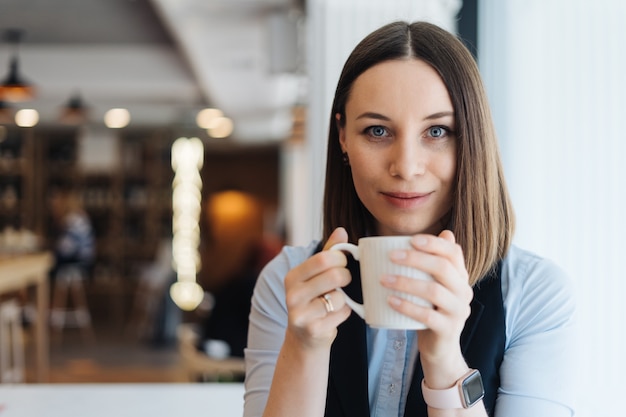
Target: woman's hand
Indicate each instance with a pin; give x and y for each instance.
(449, 293)
(310, 323)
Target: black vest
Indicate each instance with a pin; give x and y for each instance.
(482, 344)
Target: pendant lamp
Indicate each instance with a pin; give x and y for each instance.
(14, 88)
(75, 112)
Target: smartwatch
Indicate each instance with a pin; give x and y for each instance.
(466, 392)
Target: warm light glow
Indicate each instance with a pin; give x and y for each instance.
(116, 118)
(187, 294)
(26, 117)
(220, 128)
(206, 117)
(16, 93)
(187, 160)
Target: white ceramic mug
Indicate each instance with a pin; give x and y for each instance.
(373, 255)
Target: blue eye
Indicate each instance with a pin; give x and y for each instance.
(377, 131)
(437, 131)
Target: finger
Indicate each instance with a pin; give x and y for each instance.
(321, 262)
(332, 301)
(339, 235)
(443, 245)
(314, 266)
(333, 305)
(431, 318)
(307, 291)
(327, 312)
(437, 266)
(321, 325)
(431, 291)
(447, 235)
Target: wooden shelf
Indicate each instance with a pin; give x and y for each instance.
(125, 203)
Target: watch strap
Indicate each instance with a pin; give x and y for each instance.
(447, 398)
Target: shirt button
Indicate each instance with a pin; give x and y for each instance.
(398, 344)
(392, 388)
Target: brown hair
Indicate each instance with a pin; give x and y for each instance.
(482, 217)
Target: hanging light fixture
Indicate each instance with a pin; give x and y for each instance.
(14, 88)
(75, 112)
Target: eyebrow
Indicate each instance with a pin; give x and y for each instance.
(434, 116)
(372, 115)
(440, 115)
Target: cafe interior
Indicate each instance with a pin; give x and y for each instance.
(192, 133)
(180, 126)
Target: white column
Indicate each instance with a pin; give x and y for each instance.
(333, 30)
(555, 74)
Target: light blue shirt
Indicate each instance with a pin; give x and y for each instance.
(537, 373)
(391, 360)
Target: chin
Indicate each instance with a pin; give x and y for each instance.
(404, 230)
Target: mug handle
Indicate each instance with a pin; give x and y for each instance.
(354, 250)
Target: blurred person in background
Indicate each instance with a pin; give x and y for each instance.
(73, 240)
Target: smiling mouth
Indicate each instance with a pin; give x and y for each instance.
(406, 196)
(406, 200)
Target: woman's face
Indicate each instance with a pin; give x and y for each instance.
(399, 135)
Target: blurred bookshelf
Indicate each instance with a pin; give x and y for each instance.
(127, 197)
(125, 180)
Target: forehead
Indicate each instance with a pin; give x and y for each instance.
(396, 84)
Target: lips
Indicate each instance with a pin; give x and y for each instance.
(406, 200)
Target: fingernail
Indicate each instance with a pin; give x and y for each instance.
(420, 240)
(389, 279)
(393, 300)
(397, 254)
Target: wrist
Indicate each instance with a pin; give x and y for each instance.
(304, 348)
(444, 373)
(465, 393)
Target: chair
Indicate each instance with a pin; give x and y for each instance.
(152, 284)
(69, 289)
(11, 343)
(201, 367)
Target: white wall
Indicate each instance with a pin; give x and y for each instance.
(556, 74)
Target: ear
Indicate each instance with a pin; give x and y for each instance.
(342, 132)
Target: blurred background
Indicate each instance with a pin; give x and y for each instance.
(106, 88)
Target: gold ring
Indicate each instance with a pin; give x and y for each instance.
(328, 304)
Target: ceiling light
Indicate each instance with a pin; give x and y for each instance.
(14, 87)
(26, 117)
(221, 127)
(206, 117)
(116, 118)
(75, 111)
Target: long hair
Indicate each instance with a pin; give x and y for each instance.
(481, 217)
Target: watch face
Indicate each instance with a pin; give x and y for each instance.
(473, 389)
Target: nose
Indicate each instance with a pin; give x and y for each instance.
(407, 158)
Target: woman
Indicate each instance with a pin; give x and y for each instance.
(412, 151)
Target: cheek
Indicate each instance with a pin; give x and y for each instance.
(445, 165)
(364, 172)
(447, 171)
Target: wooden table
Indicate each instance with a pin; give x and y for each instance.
(122, 400)
(18, 271)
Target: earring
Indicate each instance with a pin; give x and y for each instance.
(346, 159)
